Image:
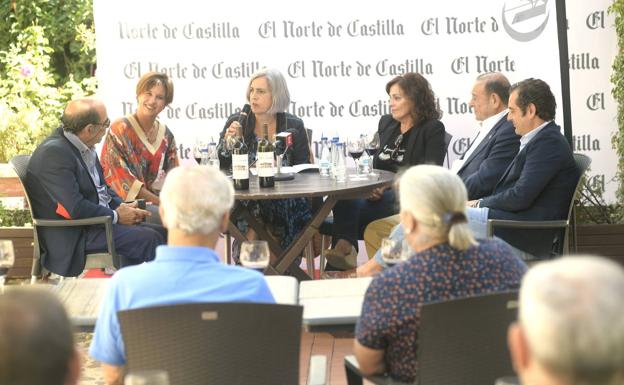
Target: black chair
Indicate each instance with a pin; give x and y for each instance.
(561, 244)
(460, 342)
(95, 260)
(216, 343)
(447, 142)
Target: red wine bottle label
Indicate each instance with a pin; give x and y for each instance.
(264, 164)
(240, 166)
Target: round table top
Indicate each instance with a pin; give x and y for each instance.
(312, 184)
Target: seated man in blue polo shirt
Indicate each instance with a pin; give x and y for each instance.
(195, 206)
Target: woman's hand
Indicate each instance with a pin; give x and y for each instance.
(377, 193)
(231, 131)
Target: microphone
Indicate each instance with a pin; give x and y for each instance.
(242, 118)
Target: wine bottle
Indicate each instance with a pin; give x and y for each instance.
(240, 162)
(265, 159)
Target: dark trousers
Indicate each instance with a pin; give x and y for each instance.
(134, 243)
(352, 216)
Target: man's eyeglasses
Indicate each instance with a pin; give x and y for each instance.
(104, 125)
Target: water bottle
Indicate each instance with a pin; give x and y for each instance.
(332, 149)
(203, 158)
(340, 167)
(325, 161)
(213, 156)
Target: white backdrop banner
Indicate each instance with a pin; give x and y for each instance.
(337, 57)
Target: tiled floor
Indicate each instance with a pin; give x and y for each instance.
(334, 347)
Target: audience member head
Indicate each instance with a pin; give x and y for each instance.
(36, 340)
(151, 79)
(277, 87)
(531, 103)
(419, 94)
(570, 327)
(87, 119)
(433, 208)
(490, 95)
(196, 200)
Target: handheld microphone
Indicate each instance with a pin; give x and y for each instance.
(242, 118)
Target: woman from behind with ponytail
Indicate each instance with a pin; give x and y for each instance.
(445, 262)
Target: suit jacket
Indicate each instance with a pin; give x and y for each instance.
(60, 187)
(537, 185)
(425, 144)
(487, 163)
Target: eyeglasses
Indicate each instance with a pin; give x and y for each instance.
(397, 143)
(104, 125)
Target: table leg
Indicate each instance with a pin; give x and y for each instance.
(301, 240)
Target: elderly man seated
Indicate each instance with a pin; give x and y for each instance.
(195, 203)
(570, 329)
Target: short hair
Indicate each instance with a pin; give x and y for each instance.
(36, 340)
(195, 198)
(572, 314)
(419, 91)
(496, 83)
(78, 114)
(150, 79)
(277, 86)
(535, 91)
(437, 198)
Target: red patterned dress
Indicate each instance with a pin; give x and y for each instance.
(130, 161)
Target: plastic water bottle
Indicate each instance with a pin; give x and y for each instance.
(204, 156)
(340, 167)
(332, 148)
(213, 156)
(325, 161)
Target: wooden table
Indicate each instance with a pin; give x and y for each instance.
(305, 185)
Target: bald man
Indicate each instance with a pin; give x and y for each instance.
(65, 181)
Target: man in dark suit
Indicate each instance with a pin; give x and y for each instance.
(65, 180)
(480, 167)
(540, 181)
(496, 143)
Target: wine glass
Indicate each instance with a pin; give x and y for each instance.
(355, 147)
(371, 147)
(147, 377)
(7, 258)
(255, 255)
(200, 145)
(393, 251)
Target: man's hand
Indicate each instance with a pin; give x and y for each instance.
(473, 203)
(129, 214)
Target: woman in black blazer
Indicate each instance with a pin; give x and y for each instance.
(411, 134)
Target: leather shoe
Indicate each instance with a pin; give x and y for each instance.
(340, 260)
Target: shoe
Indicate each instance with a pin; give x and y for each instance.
(342, 261)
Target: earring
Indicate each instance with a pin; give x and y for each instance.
(407, 230)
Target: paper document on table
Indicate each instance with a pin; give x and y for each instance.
(304, 167)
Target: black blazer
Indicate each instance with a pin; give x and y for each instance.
(300, 152)
(487, 163)
(537, 185)
(60, 187)
(425, 144)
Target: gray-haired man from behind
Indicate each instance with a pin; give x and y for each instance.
(570, 328)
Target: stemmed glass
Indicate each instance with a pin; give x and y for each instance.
(7, 258)
(200, 145)
(393, 251)
(147, 377)
(355, 147)
(255, 255)
(371, 147)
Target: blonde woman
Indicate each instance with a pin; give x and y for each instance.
(445, 262)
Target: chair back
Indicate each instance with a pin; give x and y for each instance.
(215, 343)
(464, 341)
(20, 165)
(582, 164)
(447, 142)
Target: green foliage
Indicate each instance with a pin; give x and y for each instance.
(47, 57)
(617, 79)
(14, 218)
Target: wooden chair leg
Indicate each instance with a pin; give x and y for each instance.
(309, 255)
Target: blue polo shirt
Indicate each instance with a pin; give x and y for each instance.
(177, 275)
